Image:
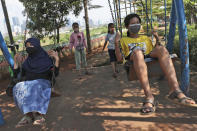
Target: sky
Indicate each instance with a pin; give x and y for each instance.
(15, 8)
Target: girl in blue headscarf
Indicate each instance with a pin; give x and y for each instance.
(32, 95)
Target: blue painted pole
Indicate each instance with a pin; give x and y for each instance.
(184, 46)
(5, 51)
(1, 119)
(172, 29)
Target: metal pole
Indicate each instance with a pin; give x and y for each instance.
(25, 35)
(125, 6)
(151, 21)
(115, 15)
(165, 22)
(120, 18)
(8, 24)
(151, 11)
(184, 46)
(172, 29)
(111, 11)
(146, 16)
(5, 52)
(130, 6)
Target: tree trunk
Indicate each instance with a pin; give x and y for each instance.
(85, 2)
(195, 21)
(118, 15)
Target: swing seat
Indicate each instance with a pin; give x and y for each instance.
(153, 68)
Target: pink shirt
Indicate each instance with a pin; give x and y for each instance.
(76, 39)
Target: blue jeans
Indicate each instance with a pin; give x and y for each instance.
(80, 58)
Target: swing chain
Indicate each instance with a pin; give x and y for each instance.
(111, 11)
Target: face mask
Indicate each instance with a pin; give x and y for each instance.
(76, 30)
(31, 50)
(112, 29)
(134, 28)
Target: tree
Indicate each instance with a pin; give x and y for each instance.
(191, 11)
(85, 4)
(48, 16)
(158, 9)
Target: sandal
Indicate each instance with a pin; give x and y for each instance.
(87, 73)
(39, 120)
(24, 121)
(55, 94)
(114, 75)
(146, 110)
(117, 71)
(173, 97)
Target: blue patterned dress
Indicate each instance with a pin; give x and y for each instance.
(32, 96)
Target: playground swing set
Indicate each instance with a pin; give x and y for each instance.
(177, 14)
(9, 57)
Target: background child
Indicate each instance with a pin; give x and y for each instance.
(111, 48)
(77, 40)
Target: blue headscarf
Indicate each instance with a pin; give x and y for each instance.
(38, 62)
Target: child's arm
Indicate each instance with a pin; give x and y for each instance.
(117, 47)
(106, 40)
(71, 42)
(104, 45)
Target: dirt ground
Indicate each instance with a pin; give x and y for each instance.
(99, 102)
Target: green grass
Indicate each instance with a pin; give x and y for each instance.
(48, 43)
(192, 39)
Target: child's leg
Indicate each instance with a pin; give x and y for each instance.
(83, 60)
(78, 60)
(112, 56)
(113, 66)
(116, 67)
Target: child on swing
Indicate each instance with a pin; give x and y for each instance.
(111, 48)
(77, 40)
(136, 48)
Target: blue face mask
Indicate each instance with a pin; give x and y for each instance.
(134, 28)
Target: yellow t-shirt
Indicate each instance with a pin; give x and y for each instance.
(128, 43)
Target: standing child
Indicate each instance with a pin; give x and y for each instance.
(111, 48)
(77, 40)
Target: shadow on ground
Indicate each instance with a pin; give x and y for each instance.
(98, 102)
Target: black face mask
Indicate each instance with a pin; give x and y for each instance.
(31, 50)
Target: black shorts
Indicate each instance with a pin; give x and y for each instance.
(112, 55)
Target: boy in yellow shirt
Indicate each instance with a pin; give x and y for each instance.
(136, 48)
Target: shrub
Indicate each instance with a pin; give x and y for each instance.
(192, 39)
